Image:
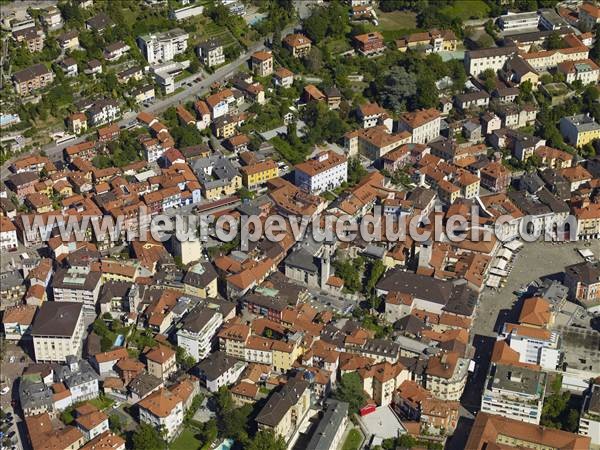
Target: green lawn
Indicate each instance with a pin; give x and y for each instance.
(186, 441)
(467, 9)
(353, 440)
(101, 402)
(396, 24)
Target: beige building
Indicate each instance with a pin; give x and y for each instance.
(446, 376)
(160, 362)
(57, 331)
(35, 77)
(262, 63)
(298, 44)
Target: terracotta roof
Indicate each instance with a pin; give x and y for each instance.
(92, 420)
(320, 163)
(111, 355)
(262, 55)
(245, 389)
(160, 403)
(21, 314)
(105, 441)
(295, 40)
(535, 311)
(419, 118)
(160, 354)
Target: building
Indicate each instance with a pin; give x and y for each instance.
(589, 419)
(77, 284)
(579, 130)
(491, 431)
(433, 41)
(588, 221)
(77, 123)
(186, 12)
(331, 427)
(583, 281)
(57, 331)
(162, 408)
(8, 235)
(115, 51)
(32, 37)
(197, 331)
(586, 71)
(17, 321)
(99, 23)
(478, 61)
(298, 44)
(160, 362)
(283, 77)
(105, 441)
(201, 279)
(68, 40)
(218, 370)
(51, 18)
(519, 21)
(262, 63)
(495, 177)
(370, 44)
(103, 111)
(446, 375)
(32, 78)
(211, 52)
(92, 424)
(257, 174)
(548, 59)
(514, 392)
(375, 142)
(42, 435)
(163, 47)
(424, 125)
(325, 171)
(285, 409)
(589, 15)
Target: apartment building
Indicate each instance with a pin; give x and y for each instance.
(535, 345)
(579, 130)
(331, 428)
(446, 375)
(102, 112)
(162, 409)
(432, 41)
(8, 235)
(424, 125)
(77, 284)
(325, 171)
(588, 221)
(548, 59)
(197, 331)
(262, 63)
(218, 370)
(17, 320)
(211, 52)
(495, 177)
(57, 331)
(33, 38)
(32, 78)
(298, 44)
(160, 362)
(285, 409)
(478, 61)
(162, 47)
(257, 174)
(514, 392)
(370, 44)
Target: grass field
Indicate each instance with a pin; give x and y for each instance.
(186, 441)
(353, 440)
(467, 9)
(396, 24)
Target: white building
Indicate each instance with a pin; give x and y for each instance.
(162, 47)
(586, 71)
(519, 21)
(102, 112)
(325, 171)
(478, 61)
(424, 125)
(535, 345)
(589, 421)
(162, 408)
(198, 330)
(77, 284)
(211, 52)
(514, 392)
(218, 370)
(186, 12)
(57, 331)
(8, 235)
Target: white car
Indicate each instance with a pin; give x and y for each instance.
(4, 390)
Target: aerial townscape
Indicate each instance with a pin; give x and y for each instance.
(300, 224)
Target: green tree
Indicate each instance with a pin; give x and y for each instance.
(115, 423)
(396, 88)
(489, 79)
(356, 171)
(554, 41)
(376, 270)
(185, 361)
(267, 440)
(350, 390)
(147, 438)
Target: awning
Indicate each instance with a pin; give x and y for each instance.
(505, 253)
(499, 272)
(493, 281)
(499, 263)
(513, 245)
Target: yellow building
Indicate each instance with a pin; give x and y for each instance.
(579, 130)
(256, 174)
(221, 188)
(201, 280)
(284, 355)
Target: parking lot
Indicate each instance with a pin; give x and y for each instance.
(535, 260)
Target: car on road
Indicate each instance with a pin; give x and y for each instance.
(5, 390)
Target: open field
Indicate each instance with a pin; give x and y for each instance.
(467, 9)
(393, 25)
